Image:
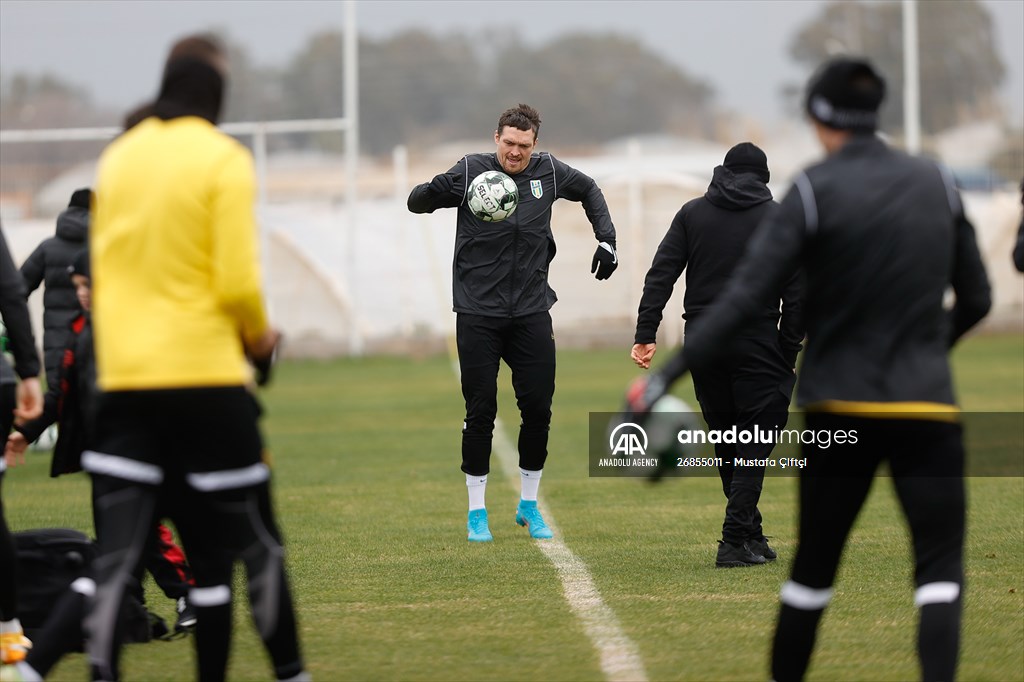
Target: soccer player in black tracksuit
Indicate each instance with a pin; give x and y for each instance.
(752, 384)
(880, 235)
(19, 400)
(502, 298)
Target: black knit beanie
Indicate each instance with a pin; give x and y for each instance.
(845, 94)
(747, 157)
(80, 264)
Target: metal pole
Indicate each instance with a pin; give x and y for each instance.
(400, 163)
(259, 152)
(911, 79)
(351, 90)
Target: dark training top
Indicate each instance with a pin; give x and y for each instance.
(880, 236)
(500, 269)
(14, 311)
(708, 238)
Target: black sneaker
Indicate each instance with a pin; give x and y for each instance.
(186, 615)
(157, 626)
(735, 556)
(760, 546)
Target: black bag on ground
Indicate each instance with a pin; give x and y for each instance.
(49, 560)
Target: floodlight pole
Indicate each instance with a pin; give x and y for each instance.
(351, 90)
(911, 80)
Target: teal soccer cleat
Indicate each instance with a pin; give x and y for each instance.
(528, 515)
(477, 526)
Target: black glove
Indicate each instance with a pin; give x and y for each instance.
(264, 367)
(444, 183)
(605, 261)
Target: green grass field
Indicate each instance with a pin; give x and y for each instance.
(372, 503)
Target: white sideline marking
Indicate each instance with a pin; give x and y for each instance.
(619, 655)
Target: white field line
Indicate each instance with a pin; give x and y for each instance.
(619, 655)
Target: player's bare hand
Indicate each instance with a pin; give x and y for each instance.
(14, 452)
(643, 353)
(264, 347)
(29, 400)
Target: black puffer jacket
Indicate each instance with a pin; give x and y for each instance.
(49, 263)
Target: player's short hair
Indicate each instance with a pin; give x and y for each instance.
(202, 46)
(522, 117)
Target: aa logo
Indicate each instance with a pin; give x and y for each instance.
(536, 188)
(628, 439)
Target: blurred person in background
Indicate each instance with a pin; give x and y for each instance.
(178, 309)
(71, 401)
(21, 399)
(1018, 250)
(49, 264)
(502, 300)
(880, 235)
(753, 382)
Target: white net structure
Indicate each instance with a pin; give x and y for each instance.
(369, 277)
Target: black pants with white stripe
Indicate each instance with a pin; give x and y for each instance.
(527, 345)
(194, 455)
(8, 558)
(926, 462)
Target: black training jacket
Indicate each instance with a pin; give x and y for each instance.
(49, 263)
(501, 269)
(880, 236)
(70, 401)
(14, 312)
(707, 238)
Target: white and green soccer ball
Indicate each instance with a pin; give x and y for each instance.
(492, 196)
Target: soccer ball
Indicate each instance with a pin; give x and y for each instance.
(492, 196)
(668, 416)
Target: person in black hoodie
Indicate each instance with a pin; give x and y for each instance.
(880, 236)
(21, 398)
(49, 263)
(753, 382)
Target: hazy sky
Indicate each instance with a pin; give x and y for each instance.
(114, 48)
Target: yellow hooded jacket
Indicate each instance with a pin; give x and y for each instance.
(175, 263)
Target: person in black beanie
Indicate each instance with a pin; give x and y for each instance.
(880, 236)
(752, 383)
(48, 264)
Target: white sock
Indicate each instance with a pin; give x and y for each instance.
(12, 625)
(531, 482)
(477, 486)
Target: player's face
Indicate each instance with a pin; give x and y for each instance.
(82, 291)
(514, 148)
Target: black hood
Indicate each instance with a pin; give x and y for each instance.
(190, 87)
(736, 191)
(73, 224)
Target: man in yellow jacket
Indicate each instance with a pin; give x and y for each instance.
(178, 311)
